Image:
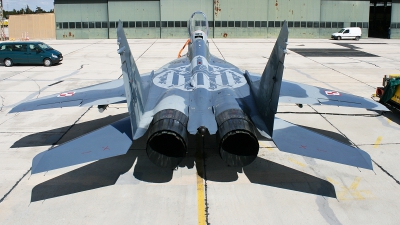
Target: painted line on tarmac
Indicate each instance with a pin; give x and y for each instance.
(351, 192)
(263, 145)
(202, 210)
(377, 142)
(201, 204)
(297, 162)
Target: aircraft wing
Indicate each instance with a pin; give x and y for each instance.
(292, 92)
(100, 94)
(301, 141)
(112, 140)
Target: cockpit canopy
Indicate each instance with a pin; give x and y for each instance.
(198, 22)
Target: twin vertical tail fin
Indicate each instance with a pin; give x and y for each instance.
(267, 95)
(132, 80)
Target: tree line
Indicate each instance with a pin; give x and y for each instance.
(26, 10)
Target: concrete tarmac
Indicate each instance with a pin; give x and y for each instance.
(277, 188)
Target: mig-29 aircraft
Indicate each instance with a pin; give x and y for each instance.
(199, 93)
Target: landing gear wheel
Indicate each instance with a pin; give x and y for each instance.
(47, 62)
(8, 62)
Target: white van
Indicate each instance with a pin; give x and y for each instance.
(348, 33)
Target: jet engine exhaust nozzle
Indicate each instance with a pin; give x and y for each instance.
(166, 145)
(238, 144)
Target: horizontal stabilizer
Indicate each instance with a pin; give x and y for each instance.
(100, 94)
(112, 140)
(296, 93)
(301, 141)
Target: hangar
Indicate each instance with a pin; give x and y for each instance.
(89, 19)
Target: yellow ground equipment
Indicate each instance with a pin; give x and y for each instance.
(390, 92)
(4, 22)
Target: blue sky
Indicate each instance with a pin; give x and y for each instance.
(9, 5)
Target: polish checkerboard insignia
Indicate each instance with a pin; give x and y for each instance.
(332, 93)
(66, 94)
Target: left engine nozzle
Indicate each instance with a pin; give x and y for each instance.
(166, 145)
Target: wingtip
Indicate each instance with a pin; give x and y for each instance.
(381, 108)
(17, 109)
(13, 110)
(36, 168)
(368, 160)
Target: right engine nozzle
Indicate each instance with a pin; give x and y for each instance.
(238, 144)
(166, 145)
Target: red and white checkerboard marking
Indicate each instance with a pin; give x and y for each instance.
(332, 93)
(66, 94)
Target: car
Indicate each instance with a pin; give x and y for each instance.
(28, 53)
(348, 33)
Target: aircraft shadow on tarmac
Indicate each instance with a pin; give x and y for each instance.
(269, 173)
(106, 172)
(51, 137)
(393, 116)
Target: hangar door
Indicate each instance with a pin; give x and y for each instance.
(379, 18)
(140, 19)
(75, 20)
(175, 15)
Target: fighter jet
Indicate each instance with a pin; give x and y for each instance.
(199, 93)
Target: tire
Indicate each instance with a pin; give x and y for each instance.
(357, 38)
(339, 38)
(47, 62)
(8, 62)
